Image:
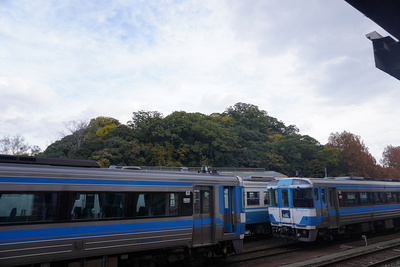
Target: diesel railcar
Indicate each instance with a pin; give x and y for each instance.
(76, 216)
(256, 205)
(305, 209)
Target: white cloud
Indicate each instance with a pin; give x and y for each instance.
(305, 63)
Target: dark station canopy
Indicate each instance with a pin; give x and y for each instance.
(385, 13)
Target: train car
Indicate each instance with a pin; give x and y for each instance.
(307, 209)
(256, 205)
(77, 216)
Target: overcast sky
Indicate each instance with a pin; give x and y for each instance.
(306, 63)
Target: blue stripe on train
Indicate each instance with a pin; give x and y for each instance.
(91, 231)
(16, 236)
(368, 209)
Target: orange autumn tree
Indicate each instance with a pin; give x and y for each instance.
(391, 160)
(356, 159)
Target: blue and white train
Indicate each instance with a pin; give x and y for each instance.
(79, 216)
(256, 205)
(305, 209)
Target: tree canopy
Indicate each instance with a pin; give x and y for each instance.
(241, 136)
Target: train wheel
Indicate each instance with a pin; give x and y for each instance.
(198, 257)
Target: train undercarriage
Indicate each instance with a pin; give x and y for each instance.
(310, 235)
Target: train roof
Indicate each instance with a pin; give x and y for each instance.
(331, 181)
(10, 170)
(28, 166)
(48, 161)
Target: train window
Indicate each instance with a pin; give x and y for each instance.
(173, 204)
(227, 198)
(299, 182)
(302, 198)
(273, 197)
(391, 197)
(157, 204)
(316, 196)
(365, 198)
(202, 201)
(349, 199)
(89, 206)
(379, 198)
(32, 207)
(253, 198)
(323, 196)
(285, 198)
(206, 201)
(197, 202)
(265, 193)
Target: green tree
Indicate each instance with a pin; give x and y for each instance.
(296, 155)
(101, 127)
(331, 161)
(147, 125)
(196, 137)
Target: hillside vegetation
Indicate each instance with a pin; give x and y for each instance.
(241, 136)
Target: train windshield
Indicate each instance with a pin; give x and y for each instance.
(273, 197)
(302, 198)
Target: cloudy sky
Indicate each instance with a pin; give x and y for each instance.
(306, 63)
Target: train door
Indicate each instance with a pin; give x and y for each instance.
(324, 208)
(203, 218)
(286, 211)
(318, 201)
(333, 208)
(228, 209)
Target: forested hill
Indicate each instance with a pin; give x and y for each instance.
(242, 136)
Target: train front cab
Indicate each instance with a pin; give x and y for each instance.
(298, 210)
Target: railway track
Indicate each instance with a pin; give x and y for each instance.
(264, 255)
(377, 256)
(380, 251)
(262, 250)
(259, 255)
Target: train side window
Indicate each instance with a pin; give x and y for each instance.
(32, 207)
(265, 193)
(391, 197)
(91, 206)
(202, 201)
(367, 198)
(350, 199)
(285, 198)
(253, 198)
(273, 197)
(197, 202)
(185, 205)
(395, 197)
(173, 208)
(363, 198)
(206, 201)
(316, 196)
(142, 204)
(379, 198)
(157, 204)
(323, 196)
